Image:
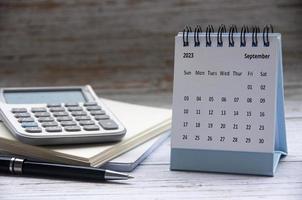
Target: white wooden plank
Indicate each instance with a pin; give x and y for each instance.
(158, 182)
(293, 109)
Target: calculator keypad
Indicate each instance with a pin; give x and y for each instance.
(33, 130)
(77, 108)
(22, 115)
(89, 122)
(69, 117)
(53, 129)
(28, 119)
(42, 114)
(72, 128)
(57, 109)
(48, 124)
(38, 109)
(90, 104)
(60, 114)
(97, 112)
(46, 119)
(66, 118)
(101, 117)
(29, 124)
(108, 124)
(91, 128)
(68, 123)
(71, 104)
(80, 118)
(90, 108)
(19, 110)
(53, 105)
(78, 113)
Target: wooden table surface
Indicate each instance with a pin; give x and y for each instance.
(154, 180)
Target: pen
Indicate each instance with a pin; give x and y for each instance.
(20, 166)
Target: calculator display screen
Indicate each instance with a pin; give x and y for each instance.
(44, 96)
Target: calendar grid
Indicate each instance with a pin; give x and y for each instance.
(222, 103)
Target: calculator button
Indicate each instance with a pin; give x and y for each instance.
(78, 113)
(48, 124)
(71, 104)
(90, 108)
(29, 124)
(60, 114)
(19, 110)
(108, 124)
(42, 114)
(22, 115)
(91, 128)
(80, 118)
(75, 108)
(68, 123)
(66, 118)
(89, 122)
(72, 128)
(46, 119)
(38, 109)
(51, 105)
(28, 119)
(33, 130)
(53, 129)
(97, 112)
(90, 104)
(101, 117)
(57, 109)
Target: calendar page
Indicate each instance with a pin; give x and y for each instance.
(224, 98)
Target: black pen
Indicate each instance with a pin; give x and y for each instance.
(20, 166)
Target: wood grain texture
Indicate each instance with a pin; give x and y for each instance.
(124, 46)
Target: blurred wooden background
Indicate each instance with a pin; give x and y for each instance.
(124, 46)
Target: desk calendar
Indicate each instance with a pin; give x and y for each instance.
(228, 102)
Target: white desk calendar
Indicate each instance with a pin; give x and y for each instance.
(228, 101)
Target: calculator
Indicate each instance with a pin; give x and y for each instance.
(58, 115)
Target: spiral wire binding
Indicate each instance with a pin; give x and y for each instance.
(221, 29)
(196, 35)
(185, 35)
(255, 31)
(244, 30)
(266, 30)
(209, 30)
(233, 28)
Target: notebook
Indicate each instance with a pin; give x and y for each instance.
(142, 123)
(228, 102)
(128, 161)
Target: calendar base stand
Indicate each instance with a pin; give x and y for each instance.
(225, 161)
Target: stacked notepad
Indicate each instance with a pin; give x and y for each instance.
(143, 123)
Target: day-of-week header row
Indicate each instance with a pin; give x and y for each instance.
(223, 73)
